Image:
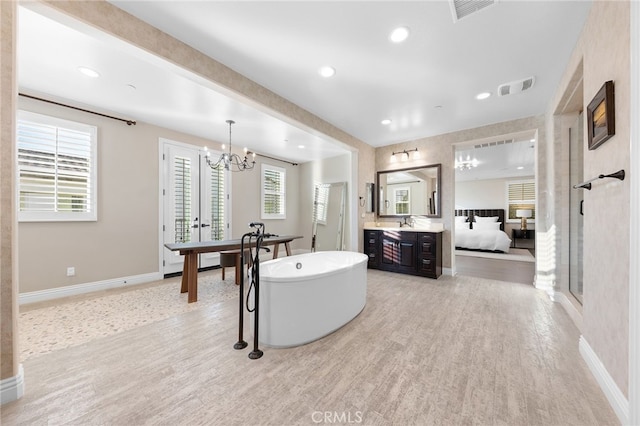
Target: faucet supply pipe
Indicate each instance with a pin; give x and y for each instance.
(241, 344)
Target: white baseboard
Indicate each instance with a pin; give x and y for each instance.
(73, 290)
(571, 309)
(447, 271)
(611, 391)
(12, 388)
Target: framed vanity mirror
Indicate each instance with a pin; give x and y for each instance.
(411, 191)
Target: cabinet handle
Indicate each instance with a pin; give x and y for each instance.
(372, 240)
(372, 255)
(426, 262)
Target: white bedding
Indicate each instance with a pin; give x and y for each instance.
(482, 239)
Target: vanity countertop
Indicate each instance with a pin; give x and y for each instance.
(393, 226)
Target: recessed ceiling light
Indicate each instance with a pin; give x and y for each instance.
(327, 71)
(301, 146)
(89, 72)
(386, 122)
(483, 95)
(399, 35)
(520, 167)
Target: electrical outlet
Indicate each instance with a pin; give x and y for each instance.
(71, 271)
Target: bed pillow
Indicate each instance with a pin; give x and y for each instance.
(462, 225)
(486, 218)
(461, 219)
(486, 226)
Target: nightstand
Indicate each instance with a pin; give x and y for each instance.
(519, 234)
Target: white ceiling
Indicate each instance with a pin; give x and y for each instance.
(426, 85)
(499, 157)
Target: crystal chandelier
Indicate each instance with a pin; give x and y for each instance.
(467, 164)
(230, 161)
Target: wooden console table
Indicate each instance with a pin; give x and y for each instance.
(192, 250)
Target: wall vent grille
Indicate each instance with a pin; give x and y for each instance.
(494, 143)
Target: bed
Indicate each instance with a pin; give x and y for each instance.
(481, 229)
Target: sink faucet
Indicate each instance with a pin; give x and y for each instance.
(405, 223)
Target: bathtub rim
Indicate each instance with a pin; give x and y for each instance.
(307, 277)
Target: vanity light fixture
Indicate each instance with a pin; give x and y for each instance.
(403, 153)
(230, 161)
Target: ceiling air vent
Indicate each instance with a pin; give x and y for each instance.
(462, 8)
(516, 86)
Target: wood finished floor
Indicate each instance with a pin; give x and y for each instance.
(450, 351)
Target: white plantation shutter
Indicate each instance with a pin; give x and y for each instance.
(273, 192)
(56, 169)
(217, 204)
(521, 195)
(182, 168)
(321, 203)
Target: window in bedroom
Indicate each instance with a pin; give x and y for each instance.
(521, 195)
(273, 192)
(56, 169)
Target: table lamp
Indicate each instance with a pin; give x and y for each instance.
(523, 214)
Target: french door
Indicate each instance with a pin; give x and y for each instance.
(195, 203)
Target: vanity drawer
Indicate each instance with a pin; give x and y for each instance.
(371, 237)
(427, 266)
(428, 244)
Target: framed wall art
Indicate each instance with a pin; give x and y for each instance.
(601, 121)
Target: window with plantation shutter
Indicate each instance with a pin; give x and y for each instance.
(521, 195)
(273, 192)
(321, 203)
(56, 169)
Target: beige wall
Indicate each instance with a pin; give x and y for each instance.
(440, 149)
(246, 201)
(602, 53)
(124, 241)
(9, 352)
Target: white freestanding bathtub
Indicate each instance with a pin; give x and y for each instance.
(307, 296)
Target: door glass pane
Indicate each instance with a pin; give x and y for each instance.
(182, 199)
(217, 204)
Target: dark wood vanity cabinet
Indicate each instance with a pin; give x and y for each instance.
(430, 254)
(415, 253)
(371, 242)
